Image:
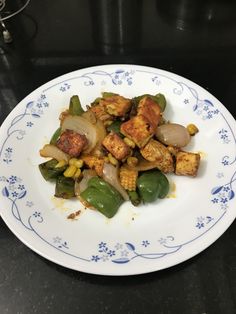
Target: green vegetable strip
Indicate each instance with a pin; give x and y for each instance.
(55, 136)
(115, 127)
(75, 107)
(108, 94)
(134, 198)
(48, 170)
(158, 98)
(64, 187)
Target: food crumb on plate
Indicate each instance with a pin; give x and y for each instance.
(74, 215)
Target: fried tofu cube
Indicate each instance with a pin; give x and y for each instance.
(150, 110)
(95, 163)
(156, 152)
(116, 105)
(116, 146)
(138, 129)
(72, 143)
(100, 112)
(187, 163)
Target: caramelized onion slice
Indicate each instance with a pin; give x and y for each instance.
(54, 152)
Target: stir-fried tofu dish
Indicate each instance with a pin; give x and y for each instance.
(118, 150)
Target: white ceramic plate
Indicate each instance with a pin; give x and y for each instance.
(137, 240)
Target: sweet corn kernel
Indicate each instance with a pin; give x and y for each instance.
(106, 159)
(192, 129)
(72, 161)
(61, 163)
(129, 142)
(79, 163)
(70, 171)
(132, 161)
(112, 160)
(77, 174)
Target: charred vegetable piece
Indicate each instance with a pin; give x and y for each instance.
(161, 100)
(134, 198)
(108, 94)
(96, 101)
(115, 127)
(152, 185)
(158, 98)
(55, 136)
(101, 195)
(48, 170)
(64, 187)
(75, 107)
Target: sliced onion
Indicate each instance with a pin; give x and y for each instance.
(101, 132)
(110, 175)
(82, 126)
(90, 116)
(83, 184)
(173, 134)
(54, 152)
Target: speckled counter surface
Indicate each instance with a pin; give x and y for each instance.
(193, 39)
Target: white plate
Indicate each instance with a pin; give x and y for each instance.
(137, 240)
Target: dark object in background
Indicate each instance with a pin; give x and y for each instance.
(186, 14)
(116, 24)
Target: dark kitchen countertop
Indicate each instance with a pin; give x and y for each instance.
(195, 39)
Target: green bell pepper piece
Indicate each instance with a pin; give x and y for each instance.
(55, 136)
(164, 184)
(152, 185)
(161, 100)
(75, 107)
(96, 101)
(64, 187)
(108, 94)
(48, 170)
(115, 127)
(104, 197)
(158, 98)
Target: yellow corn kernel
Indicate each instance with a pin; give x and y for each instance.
(132, 161)
(129, 142)
(112, 160)
(192, 129)
(106, 159)
(61, 163)
(77, 174)
(79, 163)
(72, 161)
(70, 171)
(128, 178)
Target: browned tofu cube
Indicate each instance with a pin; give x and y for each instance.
(116, 105)
(156, 152)
(72, 143)
(100, 112)
(138, 129)
(95, 163)
(116, 146)
(149, 109)
(187, 164)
